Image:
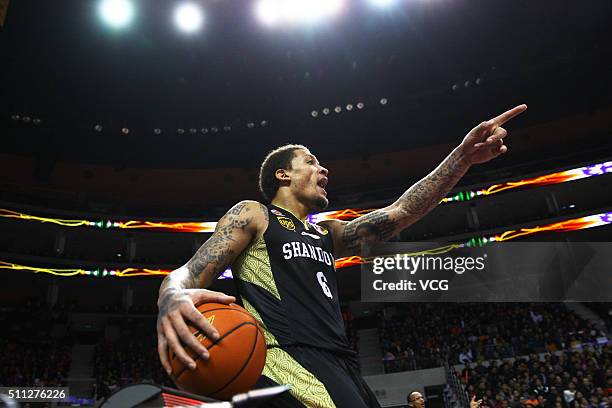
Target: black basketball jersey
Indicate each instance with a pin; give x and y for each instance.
(287, 280)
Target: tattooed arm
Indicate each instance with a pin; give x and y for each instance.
(181, 290)
(418, 200)
(481, 144)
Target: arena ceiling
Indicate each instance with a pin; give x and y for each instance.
(441, 65)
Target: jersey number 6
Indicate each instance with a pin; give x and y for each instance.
(323, 282)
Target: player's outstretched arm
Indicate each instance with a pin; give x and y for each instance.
(481, 144)
(182, 289)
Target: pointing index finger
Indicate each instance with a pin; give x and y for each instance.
(506, 116)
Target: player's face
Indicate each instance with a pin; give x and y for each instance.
(308, 180)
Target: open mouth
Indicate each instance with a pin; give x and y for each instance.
(322, 183)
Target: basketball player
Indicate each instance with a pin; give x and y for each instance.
(416, 400)
(283, 266)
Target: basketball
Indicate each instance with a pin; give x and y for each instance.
(236, 358)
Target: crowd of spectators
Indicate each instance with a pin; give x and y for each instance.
(32, 353)
(413, 336)
(423, 335)
(123, 362)
(131, 358)
(570, 379)
(33, 363)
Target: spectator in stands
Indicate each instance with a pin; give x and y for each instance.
(569, 394)
(415, 399)
(465, 356)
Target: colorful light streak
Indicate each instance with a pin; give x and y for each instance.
(65, 223)
(150, 225)
(547, 179)
(100, 272)
(576, 224)
(345, 215)
(590, 221)
(358, 260)
(208, 226)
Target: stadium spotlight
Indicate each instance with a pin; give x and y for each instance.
(125, 131)
(337, 109)
(349, 107)
(116, 13)
(250, 125)
(98, 128)
(204, 131)
(326, 111)
(188, 17)
(383, 101)
(360, 105)
(268, 11)
(314, 113)
(157, 131)
(271, 12)
(180, 131)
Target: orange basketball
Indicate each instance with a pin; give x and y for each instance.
(236, 359)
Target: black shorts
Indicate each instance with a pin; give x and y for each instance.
(318, 379)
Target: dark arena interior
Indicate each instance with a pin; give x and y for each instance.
(130, 127)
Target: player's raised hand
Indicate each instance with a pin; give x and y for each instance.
(175, 308)
(486, 141)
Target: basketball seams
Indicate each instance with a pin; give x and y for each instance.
(198, 332)
(227, 308)
(216, 342)
(238, 373)
(247, 361)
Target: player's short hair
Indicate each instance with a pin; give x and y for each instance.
(279, 158)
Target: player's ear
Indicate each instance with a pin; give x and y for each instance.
(281, 175)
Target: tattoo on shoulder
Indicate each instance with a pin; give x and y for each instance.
(216, 251)
(373, 227)
(264, 210)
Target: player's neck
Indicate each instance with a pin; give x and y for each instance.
(299, 210)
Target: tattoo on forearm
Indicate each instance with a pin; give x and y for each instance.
(216, 252)
(375, 226)
(417, 201)
(425, 195)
